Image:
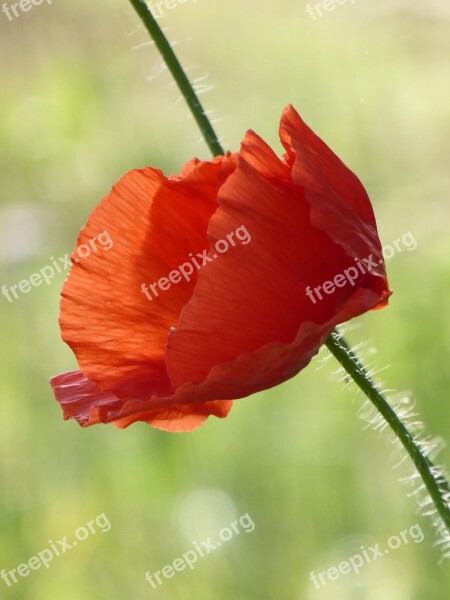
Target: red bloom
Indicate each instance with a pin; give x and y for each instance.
(250, 317)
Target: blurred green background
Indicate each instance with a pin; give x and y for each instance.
(83, 100)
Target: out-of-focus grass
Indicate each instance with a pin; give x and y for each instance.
(77, 110)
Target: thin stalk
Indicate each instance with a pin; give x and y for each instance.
(437, 486)
(174, 66)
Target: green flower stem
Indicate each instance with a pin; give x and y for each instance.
(438, 488)
(436, 485)
(174, 66)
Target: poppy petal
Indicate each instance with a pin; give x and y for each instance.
(154, 223)
(254, 295)
(316, 167)
(84, 400)
(275, 363)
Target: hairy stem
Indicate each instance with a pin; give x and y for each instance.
(436, 485)
(174, 66)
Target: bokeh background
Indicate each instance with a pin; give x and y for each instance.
(82, 100)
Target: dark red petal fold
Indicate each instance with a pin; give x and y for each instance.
(339, 203)
(84, 401)
(316, 167)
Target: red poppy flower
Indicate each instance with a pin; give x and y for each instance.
(281, 251)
